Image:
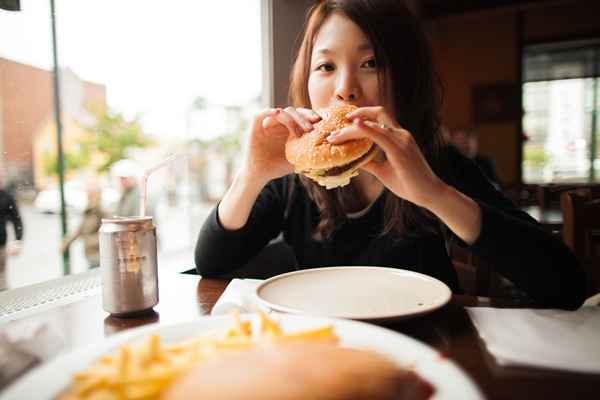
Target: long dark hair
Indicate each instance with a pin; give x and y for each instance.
(405, 63)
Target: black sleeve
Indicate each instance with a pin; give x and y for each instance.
(518, 247)
(14, 216)
(488, 167)
(219, 251)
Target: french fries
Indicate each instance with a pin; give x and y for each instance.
(142, 371)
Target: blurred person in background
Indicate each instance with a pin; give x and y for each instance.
(466, 141)
(9, 212)
(128, 172)
(88, 228)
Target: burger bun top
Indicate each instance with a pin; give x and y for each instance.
(312, 151)
(295, 371)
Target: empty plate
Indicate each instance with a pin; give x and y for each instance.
(361, 293)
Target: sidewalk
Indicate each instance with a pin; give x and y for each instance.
(39, 260)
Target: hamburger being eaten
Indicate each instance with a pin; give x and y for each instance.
(330, 165)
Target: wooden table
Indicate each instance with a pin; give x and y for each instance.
(449, 330)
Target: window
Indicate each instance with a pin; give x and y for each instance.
(560, 97)
(139, 80)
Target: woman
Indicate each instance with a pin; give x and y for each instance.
(403, 208)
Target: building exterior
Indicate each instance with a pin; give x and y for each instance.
(27, 114)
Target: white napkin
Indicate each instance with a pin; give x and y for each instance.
(238, 295)
(555, 339)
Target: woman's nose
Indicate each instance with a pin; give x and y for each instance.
(347, 89)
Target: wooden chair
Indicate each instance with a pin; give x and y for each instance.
(581, 231)
(549, 195)
(549, 199)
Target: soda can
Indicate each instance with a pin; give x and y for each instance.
(128, 265)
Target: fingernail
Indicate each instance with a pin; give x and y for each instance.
(331, 136)
(307, 126)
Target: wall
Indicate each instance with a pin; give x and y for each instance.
(484, 47)
(27, 106)
(27, 101)
(288, 22)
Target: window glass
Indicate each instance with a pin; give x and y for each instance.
(559, 90)
(139, 81)
(557, 125)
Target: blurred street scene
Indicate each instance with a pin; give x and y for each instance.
(40, 260)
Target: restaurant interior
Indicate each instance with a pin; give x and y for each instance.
(486, 53)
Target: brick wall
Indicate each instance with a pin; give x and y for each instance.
(26, 102)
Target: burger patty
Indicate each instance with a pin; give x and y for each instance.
(343, 168)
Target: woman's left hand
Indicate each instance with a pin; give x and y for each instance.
(404, 171)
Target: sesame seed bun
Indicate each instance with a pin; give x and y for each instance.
(330, 165)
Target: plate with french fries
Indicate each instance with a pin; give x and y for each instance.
(142, 363)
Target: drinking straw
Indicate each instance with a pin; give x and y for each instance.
(146, 175)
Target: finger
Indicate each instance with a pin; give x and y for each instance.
(271, 122)
(309, 114)
(359, 130)
(299, 118)
(377, 114)
(289, 122)
(394, 134)
(265, 118)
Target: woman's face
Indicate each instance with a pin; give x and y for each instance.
(342, 66)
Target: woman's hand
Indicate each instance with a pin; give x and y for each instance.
(405, 171)
(265, 160)
(265, 157)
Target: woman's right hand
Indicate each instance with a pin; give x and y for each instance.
(265, 154)
(264, 160)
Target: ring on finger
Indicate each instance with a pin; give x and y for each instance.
(385, 127)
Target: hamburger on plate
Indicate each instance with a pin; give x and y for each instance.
(299, 371)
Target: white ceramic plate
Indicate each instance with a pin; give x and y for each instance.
(448, 380)
(361, 293)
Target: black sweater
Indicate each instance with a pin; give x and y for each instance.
(9, 213)
(537, 263)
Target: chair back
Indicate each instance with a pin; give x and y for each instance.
(581, 231)
(549, 195)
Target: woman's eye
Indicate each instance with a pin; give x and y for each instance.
(371, 63)
(325, 67)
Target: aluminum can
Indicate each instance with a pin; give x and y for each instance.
(128, 265)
